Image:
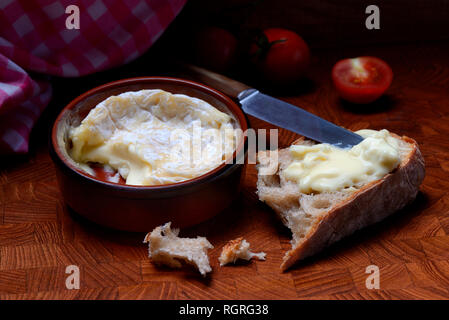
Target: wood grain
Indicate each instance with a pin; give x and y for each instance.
(40, 236)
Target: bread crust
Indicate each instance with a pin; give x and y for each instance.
(370, 204)
(166, 248)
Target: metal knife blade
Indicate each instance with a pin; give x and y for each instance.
(293, 118)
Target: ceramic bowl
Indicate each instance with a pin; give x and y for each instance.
(141, 208)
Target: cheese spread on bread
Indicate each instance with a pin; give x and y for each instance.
(153, 137)
(324, 168)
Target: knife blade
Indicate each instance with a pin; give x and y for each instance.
(275, 111)
(293, 118)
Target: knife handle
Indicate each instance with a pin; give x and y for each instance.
(224, 84)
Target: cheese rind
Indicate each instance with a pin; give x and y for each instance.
(153, 137)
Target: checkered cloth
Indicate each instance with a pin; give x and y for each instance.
(34, 38)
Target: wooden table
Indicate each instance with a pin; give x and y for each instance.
(39, 236)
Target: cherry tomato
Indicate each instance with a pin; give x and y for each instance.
(363, 79)
(215, 48)
(280, 55)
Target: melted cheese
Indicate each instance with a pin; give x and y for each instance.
(153, 137)
(325, 168)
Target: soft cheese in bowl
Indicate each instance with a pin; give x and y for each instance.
(154, 137)
(136, 153)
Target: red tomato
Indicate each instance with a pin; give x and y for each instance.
(280, 55)
(361, 80)
(215, 48)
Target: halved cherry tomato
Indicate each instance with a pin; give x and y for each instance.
(280, 55)
(362, 79)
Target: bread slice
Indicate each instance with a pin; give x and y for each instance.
(166, 248)
(238, 249)
(318, 220)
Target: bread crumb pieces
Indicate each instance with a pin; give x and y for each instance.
(166, 248)
(238, 249)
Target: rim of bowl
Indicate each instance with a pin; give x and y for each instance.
(230, 104)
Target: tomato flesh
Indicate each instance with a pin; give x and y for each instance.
(361, 80)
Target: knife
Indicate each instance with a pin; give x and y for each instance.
(278, 112)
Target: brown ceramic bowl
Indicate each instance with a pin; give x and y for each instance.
(141, 208)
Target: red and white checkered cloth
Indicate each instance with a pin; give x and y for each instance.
(34, 38)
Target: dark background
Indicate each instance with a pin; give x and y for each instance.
(333, 29)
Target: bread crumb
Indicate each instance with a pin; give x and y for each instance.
(238, 249)
(166, 248)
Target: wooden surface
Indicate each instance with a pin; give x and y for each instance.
(40, 236)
